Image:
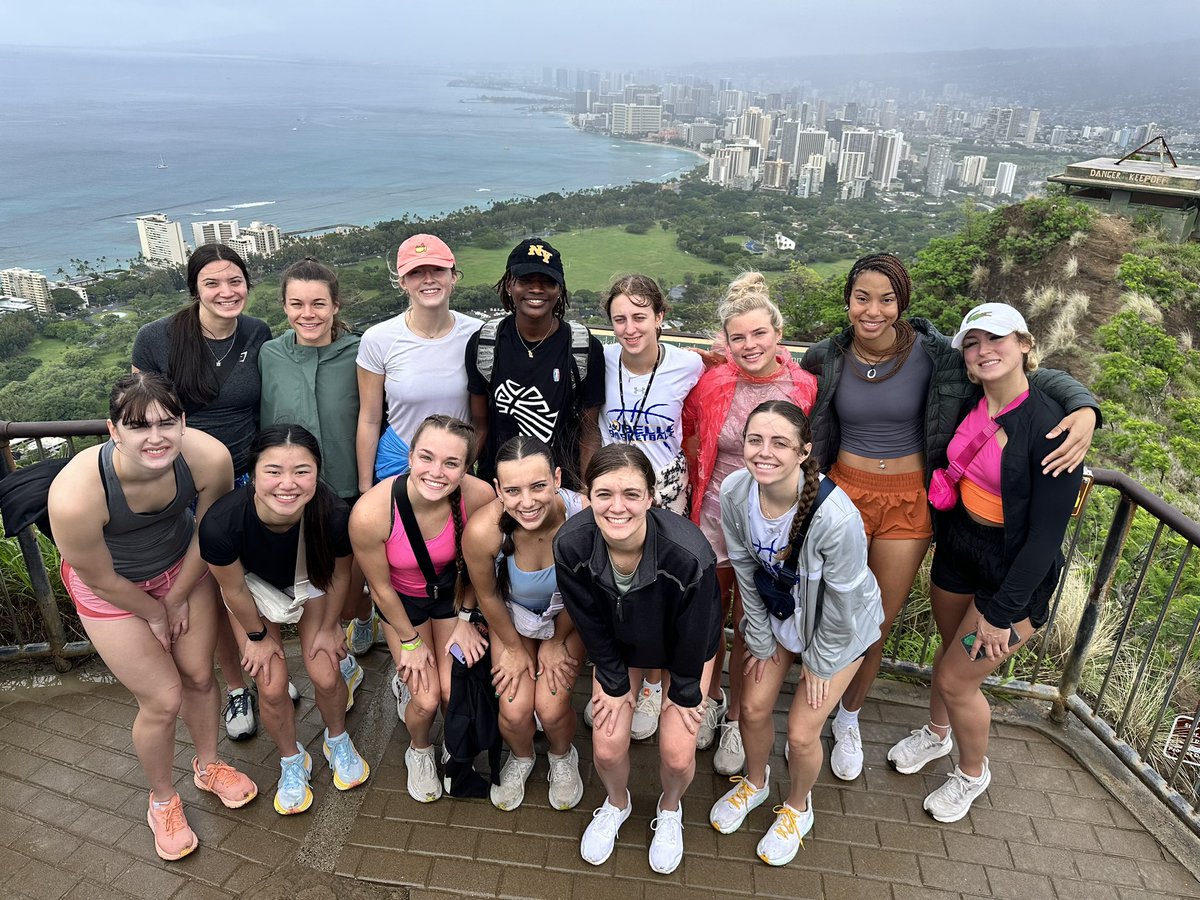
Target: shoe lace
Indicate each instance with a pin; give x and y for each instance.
(426, 767)
(561, 769)
(610, 815)
(171, 816)
(672, 829)
(218, 772)
(956, 787)
(364, 632)
(788, 822)
(743, 794)
(343, 754)
(731, 738)
(853, 738)
(712, 715)
(645, 703)
(239, 705)
(294, 775)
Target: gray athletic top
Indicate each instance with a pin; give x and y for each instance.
(884, 419)
(144, 545)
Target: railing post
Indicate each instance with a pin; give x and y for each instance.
(1106, 567)
(56, 635)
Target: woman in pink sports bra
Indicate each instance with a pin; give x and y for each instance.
(422, 618)
(999, 551)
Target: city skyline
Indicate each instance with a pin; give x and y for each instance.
(539, 32)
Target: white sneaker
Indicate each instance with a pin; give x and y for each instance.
(920, 747)
(352, 674)
(587, 714)
(666, 848)
(293, 694)
(239, 715)
(361, 636)
(846, 760)
(424, 786)
(645, 714)
(509, 793)
(566, 787)
(402, 695)
(714, 714)
(730, 756)
(953, 800)
(780, 845)
(729, 812)
(600, 837)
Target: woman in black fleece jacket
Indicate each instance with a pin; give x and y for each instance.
(640, 585)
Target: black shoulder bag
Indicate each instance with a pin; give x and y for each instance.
(776, 590)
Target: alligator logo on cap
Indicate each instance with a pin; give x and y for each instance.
(420, 248)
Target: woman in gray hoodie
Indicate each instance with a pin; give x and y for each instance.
(799, 553)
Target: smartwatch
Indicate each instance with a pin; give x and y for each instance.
(258, 635)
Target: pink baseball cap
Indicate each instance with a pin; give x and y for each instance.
(422, 250)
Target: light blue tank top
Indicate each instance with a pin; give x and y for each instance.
(533, 590)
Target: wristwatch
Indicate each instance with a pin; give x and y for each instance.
(258, 635)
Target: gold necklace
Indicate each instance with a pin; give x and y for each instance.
(429, 336)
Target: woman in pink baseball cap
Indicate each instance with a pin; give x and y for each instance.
(409, 367)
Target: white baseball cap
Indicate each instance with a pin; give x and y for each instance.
(994, 318)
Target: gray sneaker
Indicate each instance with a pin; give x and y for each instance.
(714, 714)
(645, 714)
(566, 787)
(953, 800)
(402, 694)
(730, 757)
(240, 723)
(510, 792)
(920, 747)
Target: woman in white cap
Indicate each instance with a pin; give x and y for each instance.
(409, 367)
(999, 549)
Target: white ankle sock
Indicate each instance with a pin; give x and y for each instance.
(845, 718)
(653, 688)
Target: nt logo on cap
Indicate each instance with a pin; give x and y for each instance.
(539, 250)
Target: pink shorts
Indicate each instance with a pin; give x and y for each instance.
(91, 606)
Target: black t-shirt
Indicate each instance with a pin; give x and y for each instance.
(536, 396)
(231, 531)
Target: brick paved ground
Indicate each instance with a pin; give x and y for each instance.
(73, 823)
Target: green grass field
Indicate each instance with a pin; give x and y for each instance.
(50, 351)
(837, 267)
(593, 257)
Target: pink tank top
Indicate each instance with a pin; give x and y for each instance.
(406, 574)
(984, 469)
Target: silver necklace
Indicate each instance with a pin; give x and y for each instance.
(232, 341)
(529, 349)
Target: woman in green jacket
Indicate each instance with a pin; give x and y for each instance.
(309, 378)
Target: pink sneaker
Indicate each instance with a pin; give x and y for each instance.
(173, 838)
(231, 787)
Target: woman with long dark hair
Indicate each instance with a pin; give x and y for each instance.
(891, 390)
(132, 567)
(801, 563)
(640, 584)
(209, 350)
(280, 550)
(407, 534)
(536, 651)
(999, 551)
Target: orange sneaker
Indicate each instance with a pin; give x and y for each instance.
(231, 787)
(173, 838)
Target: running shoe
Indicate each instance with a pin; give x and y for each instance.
(293, 795)
(240, 722)
(231, 787)
(349, 769)
(173, 837)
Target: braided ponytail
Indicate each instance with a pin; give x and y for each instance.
(461, 579)
(507, 548)
(810, 472)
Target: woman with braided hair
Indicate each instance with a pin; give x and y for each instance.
(800, 557)
(536, 651)
(423, 615)
(890, 393)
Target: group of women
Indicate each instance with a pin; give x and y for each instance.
(586, 503)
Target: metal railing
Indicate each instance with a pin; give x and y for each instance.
(1119, 651)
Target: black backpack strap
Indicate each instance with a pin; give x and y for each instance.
(824, 490)
(409, 520)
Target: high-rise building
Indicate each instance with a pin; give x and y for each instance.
(972, 170)
(217, 231)
(25, 284)
(999, 124)
(1031, 126)
(938, 169)
(852, 164)
(888, 115)
(698, 133)
(810, 178)
(636, 118)
(266, 239)
(1006, 174)
(161, 240)
(856, 140)
(888, 150)
(940, 119)
(776, 175)
(1058, 136)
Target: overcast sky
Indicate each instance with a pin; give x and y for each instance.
(534, 33)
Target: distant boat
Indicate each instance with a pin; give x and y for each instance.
(162, 163)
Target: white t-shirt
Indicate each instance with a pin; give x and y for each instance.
(653, 424)
(767, 538)
(420, 377)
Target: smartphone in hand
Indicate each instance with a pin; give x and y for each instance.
(456, 652)
(968, 641)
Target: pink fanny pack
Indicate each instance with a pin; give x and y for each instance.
(943, 483)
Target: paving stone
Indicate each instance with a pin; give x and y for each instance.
(11, 861)
(194, 891)
(846, 829)
(256, 845)
(1072, 835)
(1013, 799)
(998, 823)
(89, 890)
(876, 807)
(99, 864)
(37, 879)
(1126, 842)
(841, 887)
(589, 887)
(150, 882)
(465, 877)
(53, 809)
(391, 835)
(1134, 894)
(511, 849)
(535, 884)
(58, 777)
(27, 737)
(1043, 860)
(791, 881)
(977, 848)
(953, 876)
(1081, 809)
(924, 839)
(46, 844)
(1108, 868)
(888, 865)
(394, 868)
(905, 892)
(729, 876)
(460, 844)
(1007, 883)
(103, 827)
(1070, 889)
(1169, 878)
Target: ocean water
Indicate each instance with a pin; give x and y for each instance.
(295, 143)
